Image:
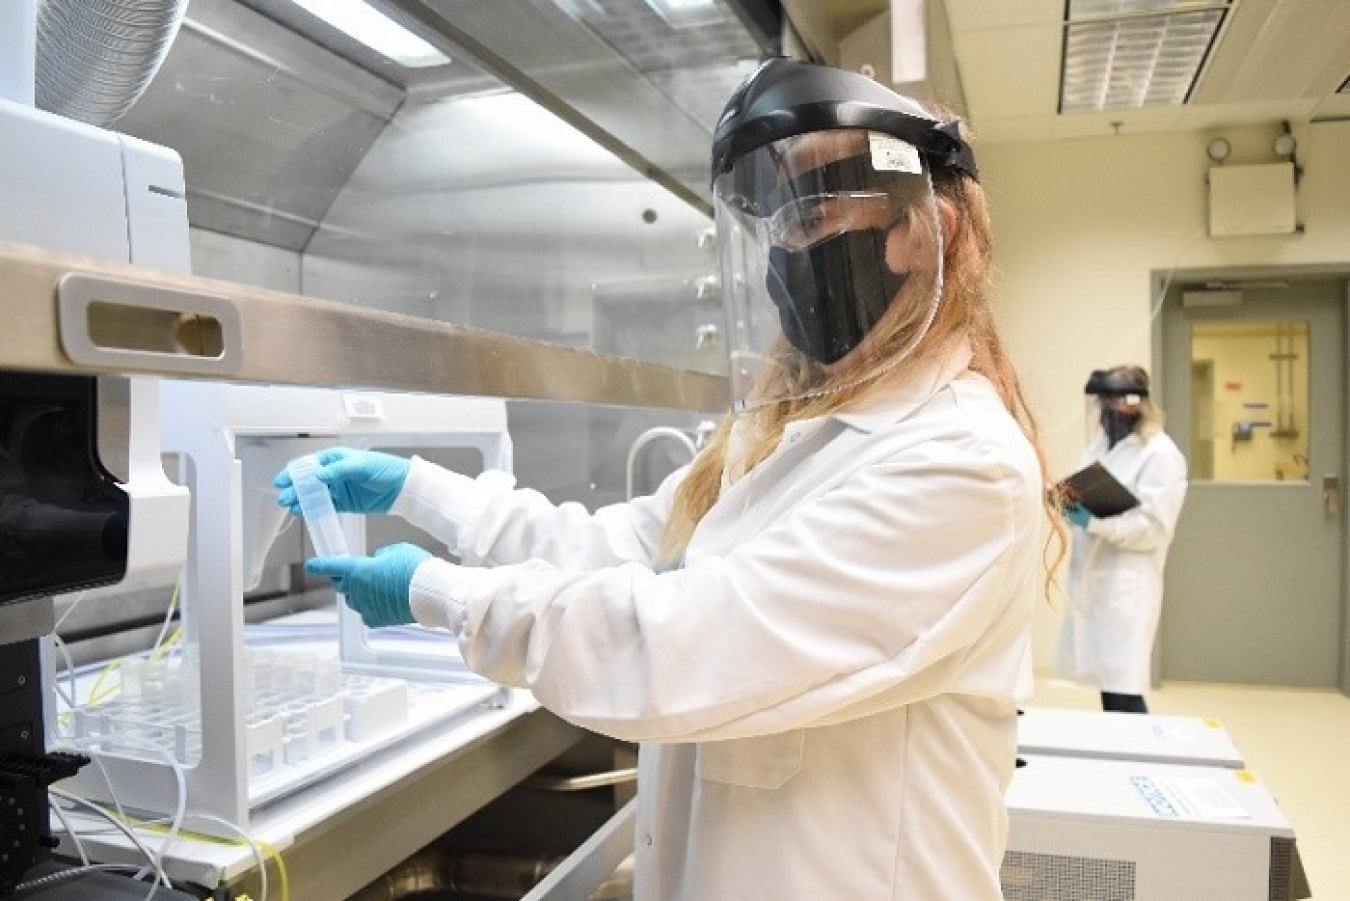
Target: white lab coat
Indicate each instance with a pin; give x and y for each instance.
(1115, 577)
(826, 690)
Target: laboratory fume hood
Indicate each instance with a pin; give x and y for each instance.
(524, 225)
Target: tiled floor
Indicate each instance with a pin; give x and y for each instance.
(1296, 741)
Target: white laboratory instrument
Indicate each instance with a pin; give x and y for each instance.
(1201, 741)
(1085, 829)
(245, 715)
(75, 188)
(68, 525)
(87, 190)
(65, 525)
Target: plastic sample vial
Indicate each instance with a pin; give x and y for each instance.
(317, 506)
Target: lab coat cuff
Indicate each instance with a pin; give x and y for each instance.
(440, 593)
(444, 503)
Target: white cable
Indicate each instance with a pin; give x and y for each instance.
(259, 858)
(118, 824)
(253, 846)
(59, 645)
(175, 600)
(75, 602)
(155, 861)
(65, 824)
(155, 865)
(180, 810)
(107, 779)
(248, 840)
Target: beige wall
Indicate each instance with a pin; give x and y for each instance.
(1082, 225)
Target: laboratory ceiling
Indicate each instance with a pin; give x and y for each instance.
(1272, 61)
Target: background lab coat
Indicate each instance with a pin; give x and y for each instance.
(826, 691)
(1115, 581)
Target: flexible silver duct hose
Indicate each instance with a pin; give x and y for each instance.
(96, 57)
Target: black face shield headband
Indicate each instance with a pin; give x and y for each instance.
(1114, 383)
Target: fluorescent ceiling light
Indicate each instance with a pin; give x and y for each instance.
(362, 22)
(687, 13)
(1123, 54)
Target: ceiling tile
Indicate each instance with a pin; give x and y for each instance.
(1001, 83)
(978, 15)
(1102, 122)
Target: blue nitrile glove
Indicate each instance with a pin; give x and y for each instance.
(1078, 515)
(375, 587)
(360, 481)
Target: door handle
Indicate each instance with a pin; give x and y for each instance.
(1331, 494)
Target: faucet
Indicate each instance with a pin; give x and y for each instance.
(647, 438)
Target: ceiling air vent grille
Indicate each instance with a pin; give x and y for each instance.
(1126, 54)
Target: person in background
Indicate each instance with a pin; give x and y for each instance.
(819, 630)
(1115, 575)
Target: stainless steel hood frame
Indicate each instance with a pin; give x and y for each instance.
(77, 314)
(655, 111)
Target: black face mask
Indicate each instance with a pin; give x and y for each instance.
(1117, 425)
(831, 294)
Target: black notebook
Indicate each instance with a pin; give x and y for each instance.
(1098, 490)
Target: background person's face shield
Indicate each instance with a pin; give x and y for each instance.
(1114, 415)
(1113, 403)
(832, 255)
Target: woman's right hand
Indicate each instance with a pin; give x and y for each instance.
(359, 481)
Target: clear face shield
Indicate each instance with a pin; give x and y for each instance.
(1113, 401)
(832, 254)
(1110, 414)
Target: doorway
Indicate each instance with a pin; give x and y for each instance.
(1254, 381)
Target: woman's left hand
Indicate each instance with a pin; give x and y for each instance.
(376, 587)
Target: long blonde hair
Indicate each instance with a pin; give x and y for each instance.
(965, 309)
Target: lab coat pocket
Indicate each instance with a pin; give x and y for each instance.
(767, 761)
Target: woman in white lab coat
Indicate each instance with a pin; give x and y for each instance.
(1115, 578)
(819, 630)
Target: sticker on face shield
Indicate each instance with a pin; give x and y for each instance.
(890, 154)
